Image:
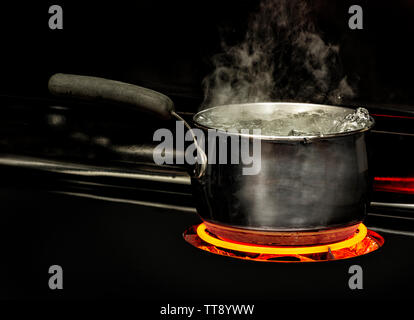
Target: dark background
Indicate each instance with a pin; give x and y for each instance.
(167, 45)
(111, 250)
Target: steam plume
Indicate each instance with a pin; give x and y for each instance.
(282, 57)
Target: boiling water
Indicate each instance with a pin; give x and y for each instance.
(318, 122)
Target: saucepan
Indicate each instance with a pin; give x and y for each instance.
(309, 188)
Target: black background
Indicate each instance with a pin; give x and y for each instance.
(167, 45)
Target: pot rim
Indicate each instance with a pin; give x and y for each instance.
(304, 138)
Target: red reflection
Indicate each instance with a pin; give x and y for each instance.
(391, 116)
(394, 184)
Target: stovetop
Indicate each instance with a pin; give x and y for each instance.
(121, 250)
(114, 222)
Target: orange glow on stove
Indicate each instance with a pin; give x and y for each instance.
(364, 241)
(244, 247)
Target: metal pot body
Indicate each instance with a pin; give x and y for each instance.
(303, 185)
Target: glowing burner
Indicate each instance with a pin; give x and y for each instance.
(362, 242)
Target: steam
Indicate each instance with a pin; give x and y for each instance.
(282, 57)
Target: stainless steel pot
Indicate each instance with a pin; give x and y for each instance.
(307, 184)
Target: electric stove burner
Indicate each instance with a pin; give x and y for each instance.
(363, 241)
(282, 238)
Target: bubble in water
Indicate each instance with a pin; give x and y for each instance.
(353, 121)
(317, 122)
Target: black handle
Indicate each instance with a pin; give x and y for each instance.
(94, 88)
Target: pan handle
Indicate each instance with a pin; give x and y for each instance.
(200, 168)
(94, 88)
